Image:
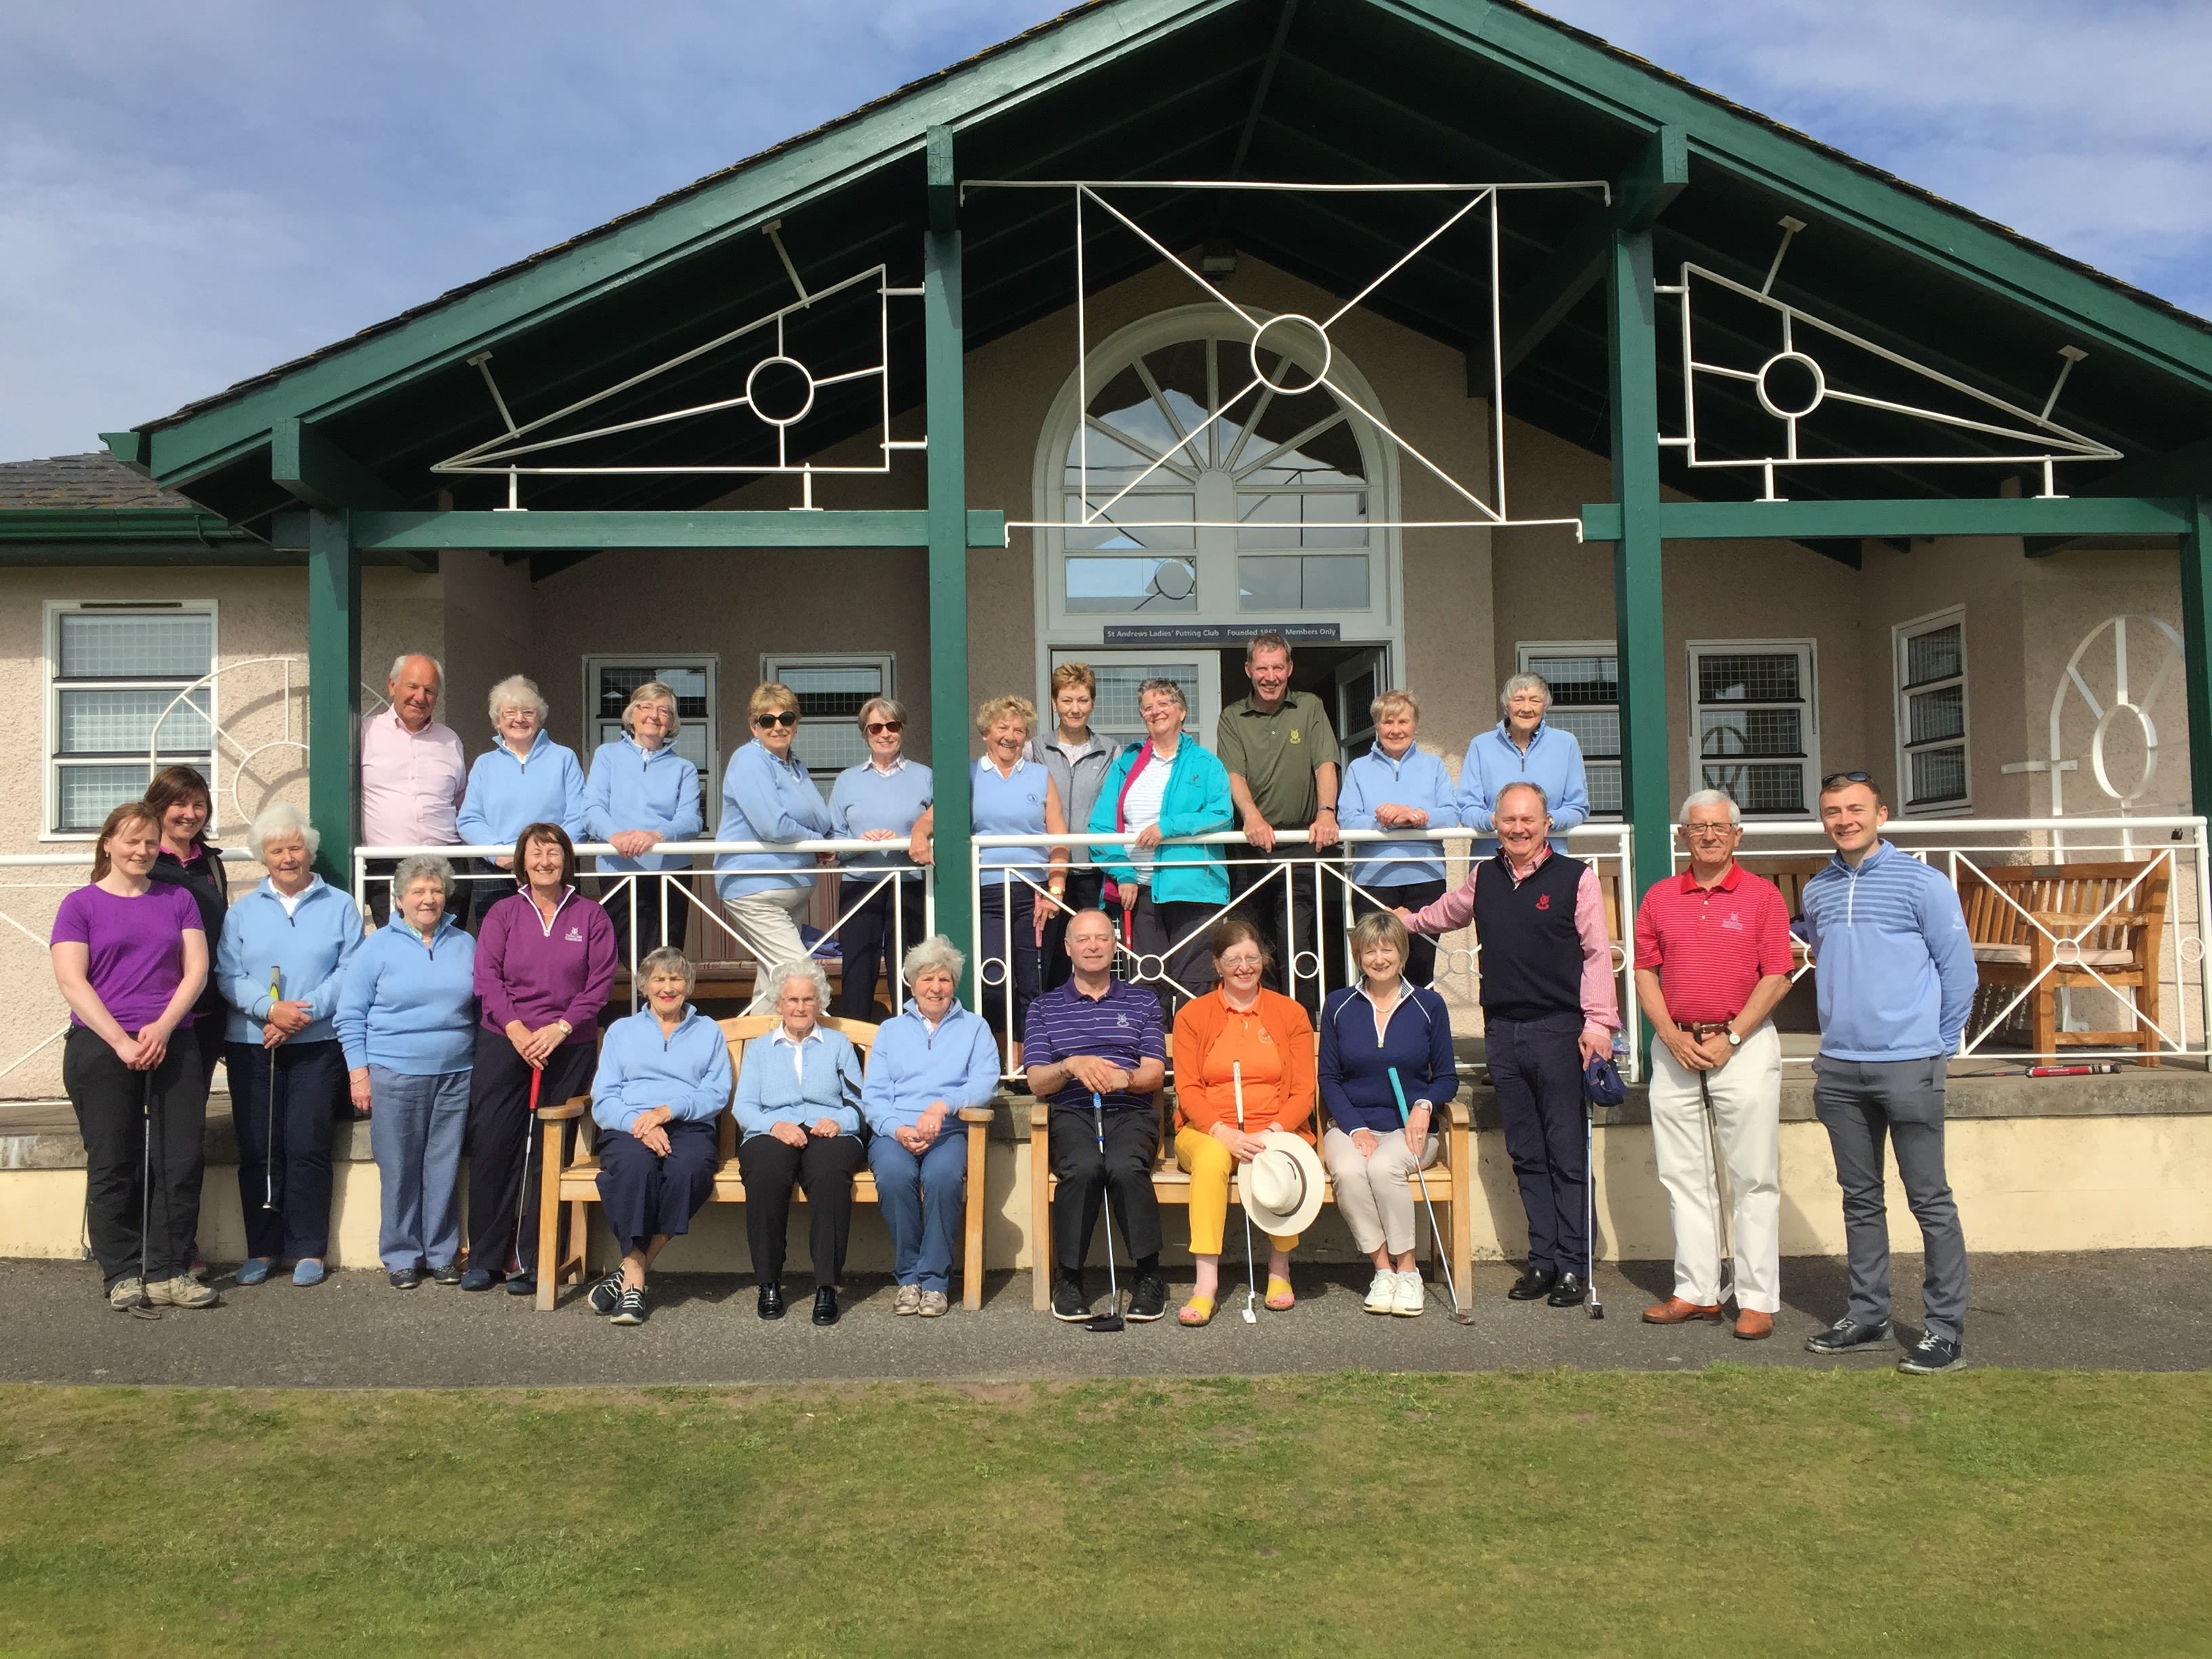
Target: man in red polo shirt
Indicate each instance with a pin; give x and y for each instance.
(1712, 958)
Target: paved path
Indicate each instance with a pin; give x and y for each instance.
(2149, 1311)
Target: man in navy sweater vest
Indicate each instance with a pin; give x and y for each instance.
(1548, 1008)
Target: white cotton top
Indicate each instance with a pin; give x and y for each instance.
(1140, 809)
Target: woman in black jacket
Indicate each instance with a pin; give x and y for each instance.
(180, 797)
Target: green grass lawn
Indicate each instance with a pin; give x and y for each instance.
(1730, 1511)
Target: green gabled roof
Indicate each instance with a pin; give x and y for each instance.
(1353, 89)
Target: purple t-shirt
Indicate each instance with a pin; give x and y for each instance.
(137, 947)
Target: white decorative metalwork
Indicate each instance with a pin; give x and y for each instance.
(2041, 441)
(1290, 354)
(241, 756)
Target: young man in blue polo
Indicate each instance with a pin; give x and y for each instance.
(1895, 969)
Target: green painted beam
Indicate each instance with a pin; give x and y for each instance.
(2196, 654)
(143, 555)
(2077, 515)
(307, 465)
(129, 447)
(1640, 195)
(116, 524)
(943, 351)
(334, 705)
(553, 532)
(1639, 600)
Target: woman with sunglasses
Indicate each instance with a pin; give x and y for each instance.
(768, 795)
(886, 798)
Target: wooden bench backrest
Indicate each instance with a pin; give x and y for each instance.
(1994, 895)
(1790, 875)
(742, 1030)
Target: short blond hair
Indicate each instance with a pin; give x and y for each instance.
(1394, 698)
(1379, 927)
(995, 709)
(1074, 673)
(771, 698)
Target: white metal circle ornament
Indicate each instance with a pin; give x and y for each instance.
(1174, 580)
(2128, 690)
(992, 971)
(752, 393)
(1297, 333)
(2150, 752)
(1765, 387)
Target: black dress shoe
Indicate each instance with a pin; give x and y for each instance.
(771, 1301)
(825, 1305)
(1568, 1293)
(1847, 1335)
(1533, 1284)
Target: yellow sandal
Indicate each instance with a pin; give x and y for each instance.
(1198, 1311)
(1280, 1297)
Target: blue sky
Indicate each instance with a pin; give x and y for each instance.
(191, 193)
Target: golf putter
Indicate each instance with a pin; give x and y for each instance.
(1444, 1254)
(268, 1129)
(1251, 1278)
(1724, 1200)
(1590, 1206)
(529, 1138)
(1111, 1320)
(144, 1308)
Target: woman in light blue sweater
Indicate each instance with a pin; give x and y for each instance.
(663, 1080)
(524, 777)
(407, 1019)
(928, 1063)
(1523, 747)
(798, 1109)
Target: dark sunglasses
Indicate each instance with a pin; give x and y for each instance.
(788, 717)
(875, 726)
(1835, 778)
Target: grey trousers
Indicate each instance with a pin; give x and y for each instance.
(1861, 1102)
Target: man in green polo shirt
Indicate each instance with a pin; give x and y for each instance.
(1281, 757)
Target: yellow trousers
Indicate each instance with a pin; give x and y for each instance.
(1211, 1165)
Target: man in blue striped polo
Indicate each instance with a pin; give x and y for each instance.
(1895, 969)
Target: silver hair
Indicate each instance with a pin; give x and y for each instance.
(275, 820)
(651, 691)
(1526, 682)
(521, 690)
(1535, 789)
(406, 656)
(421, 866)
(1712, 797)
(667, 956)
(933, 954)
(892, 708)
(807, 968)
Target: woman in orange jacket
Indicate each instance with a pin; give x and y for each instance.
(1239, 1029)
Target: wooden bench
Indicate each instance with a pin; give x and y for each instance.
(570, 1180)
(1448, 1184)
(2054, 925)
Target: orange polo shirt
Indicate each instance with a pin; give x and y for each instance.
(1273, 1043)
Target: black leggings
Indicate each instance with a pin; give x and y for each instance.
(137, 1228)
(503, 1206)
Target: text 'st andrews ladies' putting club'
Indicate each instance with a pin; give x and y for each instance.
(1111, 1320)
(1465, 1316)
(1251, 1278)
(268, 1129)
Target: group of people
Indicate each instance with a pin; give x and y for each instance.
(446, 1040)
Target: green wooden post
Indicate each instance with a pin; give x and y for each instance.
(334, 699)
(948, 545)
(2196, 613)
(1639, 610)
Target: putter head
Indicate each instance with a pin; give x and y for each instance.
(1106, 1321)
(1250, 1318)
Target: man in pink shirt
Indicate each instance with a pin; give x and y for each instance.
(412, 775)
(1547, 1010)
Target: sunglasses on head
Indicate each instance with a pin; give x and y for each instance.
(788, 717)
(1835, 778)
(877, 727)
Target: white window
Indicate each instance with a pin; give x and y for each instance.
(1119, 674)
(830, 691)
(608, 682)
(1931, 713)
(114, 674)
(1753, 725)
(1584, 676)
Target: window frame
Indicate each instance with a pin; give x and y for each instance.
(1526, 652)
(1807, 653)
(774, 663)
(52, 684)
(710, 779)
(1901, 635)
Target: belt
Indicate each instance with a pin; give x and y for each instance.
(1699, 1030)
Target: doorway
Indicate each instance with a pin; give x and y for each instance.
(1346, 678)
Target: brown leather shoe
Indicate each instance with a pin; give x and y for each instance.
(1675, 1311)
(1751, 1327)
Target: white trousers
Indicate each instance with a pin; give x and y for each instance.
(1375, 1192)
(1746, 1095)
(768, 922)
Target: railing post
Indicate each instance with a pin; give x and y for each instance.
(334, 696)
(2196, 654)
(943, 348)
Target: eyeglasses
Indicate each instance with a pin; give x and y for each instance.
(877, 728)
(1835, 778)
(788, 717)
(1710, 830)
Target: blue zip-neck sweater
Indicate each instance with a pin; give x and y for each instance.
(507, 792)
(826, 1082)
(309, 948)
(642, 1066)
(1554, 763)
(409, 1008)
(1893, 962)
(634, 788)
(1415, 779)
(911, 1067)
(863, 799)
(764, 799)
(1354, 1069)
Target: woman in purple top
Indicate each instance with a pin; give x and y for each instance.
(130, 958)
(545, 962)
(182, 805)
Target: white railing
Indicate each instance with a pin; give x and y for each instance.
(1610, 847)
(2168, 1012)
(671, 896)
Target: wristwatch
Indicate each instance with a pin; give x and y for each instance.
(1735, 1041)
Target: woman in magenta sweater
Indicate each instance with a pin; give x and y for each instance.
(546, 961)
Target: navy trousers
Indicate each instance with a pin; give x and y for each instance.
(645, 1193)
(1536, 1065)
(284, 1156)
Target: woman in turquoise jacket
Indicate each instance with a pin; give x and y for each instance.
(1169, 785)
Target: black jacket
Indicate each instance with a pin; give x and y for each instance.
(205, 880)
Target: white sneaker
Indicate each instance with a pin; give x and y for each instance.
(1413, 1298)
(128, 1294)
(907, 1301)
(1382, 1293)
